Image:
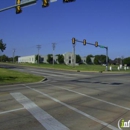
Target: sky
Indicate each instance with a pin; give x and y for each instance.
(105, 21)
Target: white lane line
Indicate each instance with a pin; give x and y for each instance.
(65, 76)
(75, 109)
(93, 98)
(4, 112)
(43, 117)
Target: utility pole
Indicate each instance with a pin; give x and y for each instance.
(53, 47)
(38, 47)
(13, 54)
(106, 58)
(73, 55)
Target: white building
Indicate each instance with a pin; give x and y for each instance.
(27, 59)
(69, 58)
(44, 59)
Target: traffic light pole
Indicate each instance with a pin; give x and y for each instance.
(106, 58)
(73, 55)
(96, 45)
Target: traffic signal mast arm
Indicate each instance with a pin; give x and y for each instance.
(79, 41)
(102, 46)
(86, 42)
(91, 44)
(22, 4)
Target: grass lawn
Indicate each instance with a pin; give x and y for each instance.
(12, 77)
(66, 67)
(82, 67)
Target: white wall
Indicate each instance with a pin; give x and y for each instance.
(68, 58)
(27, 59)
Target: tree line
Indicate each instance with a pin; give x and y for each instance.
(98, 60)
(4, 58)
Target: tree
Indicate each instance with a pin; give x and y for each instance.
(10, 59)
(2, 45)
(96, 60)
(4, 58)
(100, 59)
(78, 59)
(127, 61)
(88, 59)
(117, 61)
(60, 59)
(36, 58)
(16, 58)
(49, 58)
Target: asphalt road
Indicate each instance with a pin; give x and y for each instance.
(66, 101)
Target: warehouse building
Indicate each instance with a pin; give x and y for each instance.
(27, 59)
(68, 59)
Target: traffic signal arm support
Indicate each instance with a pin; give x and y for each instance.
(91, 44)
(102, 46)
(86, 42)
(10, 7)
(79, 41)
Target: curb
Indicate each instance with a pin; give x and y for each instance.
(45, 79)
(2, 85)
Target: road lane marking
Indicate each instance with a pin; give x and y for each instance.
(61, 74)
(51, 75)
(126, 108)
(49, 122)
(4, 112)
(94, 98)
(75, 109)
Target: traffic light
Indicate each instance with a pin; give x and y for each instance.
(18, 8)
(84, 42)
(65, 1)
(45, 3)
(96, 44)
(73, 40)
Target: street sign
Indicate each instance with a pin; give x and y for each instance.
(53, 0)
(27, 2)
(101, 46)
